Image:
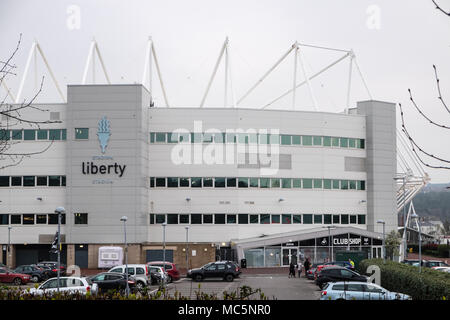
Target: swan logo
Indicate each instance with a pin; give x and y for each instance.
(103, 133)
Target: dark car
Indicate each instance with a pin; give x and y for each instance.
(310, 274)
(112, 281)
(335, 274)
(37, 274)
(226, 270)
(344, 264)
(169, 267)
(54, 267)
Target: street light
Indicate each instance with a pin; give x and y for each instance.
(9, 247)
(124, 220)
(59, 211)
(164, 251)
(384, 239)
(330, 248)
(416, 218)
(187, 248)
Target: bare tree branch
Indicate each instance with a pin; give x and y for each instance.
(440, 9)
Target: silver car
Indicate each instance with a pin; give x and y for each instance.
(66, 285)
(139, 273)
(359, 291)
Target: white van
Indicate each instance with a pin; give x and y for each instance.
(138, 271)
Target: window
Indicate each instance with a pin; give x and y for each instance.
(327, 218)
(307, 183)
(231, 218)
(344, 218)
(336, 218)
(355, 287)
(16, 181)
(296, 183)
(243, 182)
(361, 219)
(263, 138)
(152, 137)
(160, 182)
(172, 182)
(353, 219)
(253, 138)
(360, 143)
(219, 219)
(152, 218)
(196, 218)
(184, 182)
(29, 134)
(184, 137)
(53, 218)
(326, 141)
(276, 218)
(254, 182)
(41, 219)
(286, 183)
(16, 219)
(4, 134)
(286, 140)
(243, 218)
(219, 182)
(207, 137)
(307, 140)
(336, 184)
(63, 181)
(160, 137)
(344, 143)
(326, 183)
(4, 181)
(28, 219)
(54, 181)
(160, 218)
(254, 218)
(231, 182)
(29, 181)
(4, 219)
(184, 218)
(352, 185)
(16, 134)
(264, 218)
(274, 183)
(242, 138)
(80, 134)
(335, 142)
(297, 218)
(296, 140)
(264, 182)
(317, 218)
(317, 140)
(352, 143)
(361, 185)
(208, 182)
(172, 137)
(219, 137)
(274, 139)
(286, 219)
(41, 180)
(196, 182)
(307, 218)
(63, 134)
(344, 184)
(207, 218)
(317, 183)
(81, 218)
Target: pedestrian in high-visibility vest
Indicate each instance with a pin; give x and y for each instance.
(352, 263)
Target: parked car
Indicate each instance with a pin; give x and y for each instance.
(344, 264)
(54, 267)
(310, 274)
(9, 276)
(359, 291)
(320, 267)
(113, 281)
(335, 274)
(226, 270)
(159, 274)
(445, 269)
(169, 267)
(139, 271)
(66, 285)
(434, 263)
(36, 274)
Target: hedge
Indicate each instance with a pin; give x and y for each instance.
(398, 277)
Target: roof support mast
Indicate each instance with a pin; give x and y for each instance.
(91, 56)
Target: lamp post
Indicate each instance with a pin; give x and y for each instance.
(164, 251)
(416, 218)
(59, 211)
(187, 248)
(124, 220)
(8, 263)
(384, 239)
(330, 245)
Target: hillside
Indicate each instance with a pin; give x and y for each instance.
(434, 201)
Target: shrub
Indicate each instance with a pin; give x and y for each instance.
(397, 277)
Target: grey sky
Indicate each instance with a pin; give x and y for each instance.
(395, 52)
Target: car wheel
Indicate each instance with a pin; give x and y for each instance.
(35, 279)
(229, 278)
(140, 285)
(17, 281)
(198, 278)
(169, 279)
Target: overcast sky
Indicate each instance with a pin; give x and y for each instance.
(395, 42)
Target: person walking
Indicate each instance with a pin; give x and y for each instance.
(299, 268)
(307, 265)
(352, 263)
(291, 270)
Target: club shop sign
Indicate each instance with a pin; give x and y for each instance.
(97, 165)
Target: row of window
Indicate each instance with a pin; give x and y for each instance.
(33, 134)
(40, 218)
(257, 218)
(285, 183)
(32, 181)
(255, 138)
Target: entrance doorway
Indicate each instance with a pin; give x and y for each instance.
(377, 252)
(289, 255)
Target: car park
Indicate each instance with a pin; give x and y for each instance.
(140, 273)
(224, 270)
(112, 281)
(9, 276)
(336, 274)
(37, 274)
(359, 291)
(169, 267)
(69, 285)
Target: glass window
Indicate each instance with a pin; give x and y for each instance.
(16, 134)
(264, 182)
(254, 218)
(307, 183)
(264, 218)
(275, 218)
(286, 218)
(327, 218)
(172, 182)
(16, 219)
(360, 143)
(361, 219)
(317, 140)
(297, 218)
(344, 184)
(29, 181)
(152, 218)
(243, 138)
(335, 141)
(172, 219)
(196, 218)
(344, 218)
(63, 181)
(344, 143)
(263, 138)
(243, 183)
(81, 218)
(41, 180)
(296, 183)
(41, 219)
(152, 137)
(307, 218)
(208, 182)
(54, 181)
(317, 183)
(336, 184)
(286, 140)
(184, 218)
(326, 183)
(219, 182)
(274, 183)
(318, 218)
(326, 141)
(353, 219)
(196, 182)
(63, 134)
(307, 140)
(352, 185)
(42, 134)
(286, 183)
(160, 137)
(351, 143)
(207, 137)
(219, 219)
(184, 182)
(80, 134)
(160, 182)
(243, 218)
(29, 134)
(16, 181)
(274, 139)
(296, 140)
(231, 182)
(207, 218)
(4, 219)
(231, 218)
(4, 134)
(361, 185)
(231, 138)
(254, 182)
(172, 137)
(160, 218)
(53, 218)
(28, 219)
(4, 181)
(336, 219)
(183, 137)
